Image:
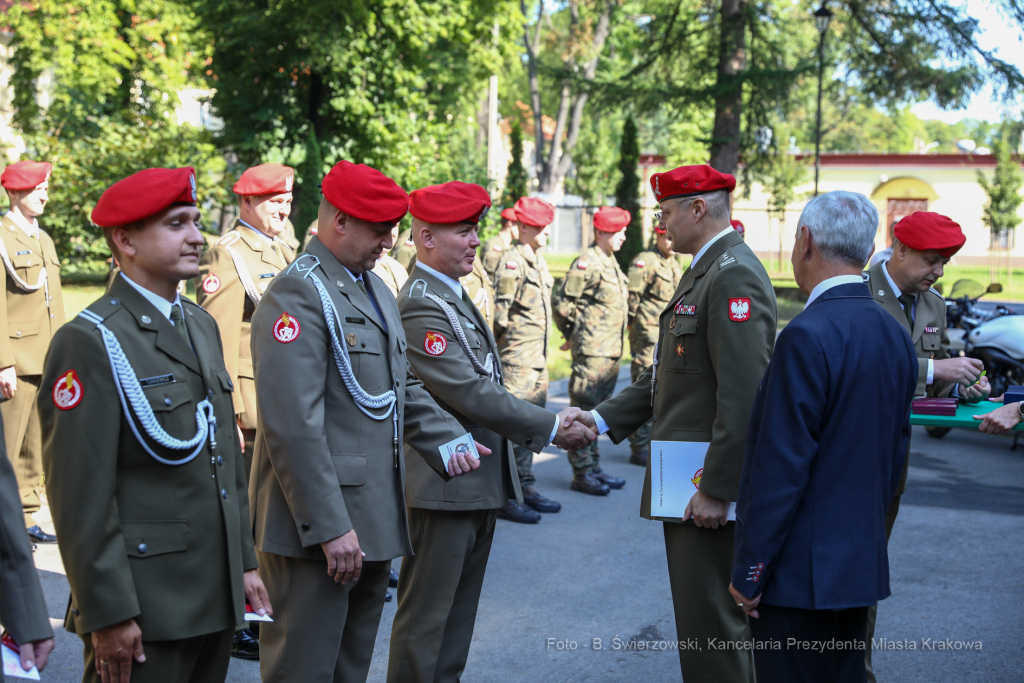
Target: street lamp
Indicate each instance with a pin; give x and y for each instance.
(822, 17)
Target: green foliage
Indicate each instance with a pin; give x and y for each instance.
(83, 167)
(779, 176)
(1003, 190)
(310, 175)
(515, 181)
(627, 192)
(595, 169)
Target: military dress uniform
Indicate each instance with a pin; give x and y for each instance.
(32, 310)
(233, 275)
(589, 308)
(522, 320)
(165, 544)
(322, 467)
(391, 272)
(715, 340)
(481, 293)
(926, 323)
(652, 280)
(491, 252)
(404, 250)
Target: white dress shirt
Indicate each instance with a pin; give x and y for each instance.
(31, 227)
(831, 282)
(161, 304)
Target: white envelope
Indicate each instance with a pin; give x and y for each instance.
(676, 467)
(12, 665)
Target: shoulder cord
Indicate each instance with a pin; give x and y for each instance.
(362, 399)
(243, 272)
(41, 281)
(488, 367)
(130, 391)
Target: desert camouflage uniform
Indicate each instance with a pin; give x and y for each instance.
(590, 310)
(404, 250)
(491, 252)
(522, 317)
(652, 281)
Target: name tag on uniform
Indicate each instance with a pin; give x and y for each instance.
(266, 275)
(156, 381)
(22, 253)
(355, 321)
(931, 330)
(469, 324)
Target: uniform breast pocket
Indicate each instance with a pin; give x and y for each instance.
(608, 290)
(930, 342)
(364, 350)
(682, 352)
(531, 294)
(152, 539)
(662, 288)
(27, 266)
(174, 409)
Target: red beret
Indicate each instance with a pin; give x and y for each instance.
(737, 226)
(365, 193)
(923, 230)
(508, 214)
(144, 194)
(534, 211)
(25, 175)
(452, 202)
(265, 179)
(690, 180)
(611, 219)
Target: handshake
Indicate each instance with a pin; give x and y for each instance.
(576, 429)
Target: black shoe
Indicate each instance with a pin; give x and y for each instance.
(245, 645)
(393, 581)
(388, 597)
(535, 500)
(640, 457)
(587, 482)
(523, 514)
(40, 536)
(608, 480)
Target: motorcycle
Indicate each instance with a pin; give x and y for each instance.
(995, 337)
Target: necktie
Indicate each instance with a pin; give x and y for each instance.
(373, 302)
(179, 324)
(907, 300)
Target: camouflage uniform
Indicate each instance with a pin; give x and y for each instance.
(652, 281)
(491, 252)
(522, 316)
(481, 293)
(590, 310)
(404, 250)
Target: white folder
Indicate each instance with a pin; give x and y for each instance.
(676, 468)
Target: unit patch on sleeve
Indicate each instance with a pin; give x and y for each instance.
(211, 284)
(640, 264)
(434, 343)
(67, 391)
(739, 310)
(511, 265)
(286, 329)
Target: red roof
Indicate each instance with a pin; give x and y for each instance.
(876, 160)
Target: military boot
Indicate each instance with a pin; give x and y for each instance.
(538, 502)
(640, 457)
(585, 481)
(523, 514)
(607, 479)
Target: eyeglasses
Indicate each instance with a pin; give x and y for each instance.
(657, 218)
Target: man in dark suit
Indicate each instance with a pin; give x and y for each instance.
(810, 552)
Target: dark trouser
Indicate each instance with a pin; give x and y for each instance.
(249, 440)
(201, 659)
(591, 384)
(323, 632)
(438, 593)
(528, 384)
(24, 442)
(842, 663)
(699, 572)
(640, 440)
(890, 520)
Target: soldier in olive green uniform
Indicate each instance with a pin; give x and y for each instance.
(453, 526)
(336, 399)
(234, 274)
(492, 250)
(715, 340)
(522, 322)
(924, 243)
(652, 277)
(589, 308)
(404, 250)
(30, 313)
(147, 495)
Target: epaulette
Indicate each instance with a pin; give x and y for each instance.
(937, 293)
(726, 259)
(419, 288)
(303, 265)
(866, 276)
(228, 239)
(101, 309)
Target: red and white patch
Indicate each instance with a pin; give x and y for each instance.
(497, 247)
(582, 265)
(435, 343)
(684, 309)
(67, 391)
(511, 265)
(640, 264)
(286, 329)
(739, 310)
(211, 284)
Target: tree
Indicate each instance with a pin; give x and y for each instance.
(627, 193)
(580, 46)
(780, 174)
(1004, 198)
(310, 174)
(515, 180)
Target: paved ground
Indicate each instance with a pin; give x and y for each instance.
(596, 570)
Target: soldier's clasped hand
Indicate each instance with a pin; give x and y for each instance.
(576, 429)
(966, 371)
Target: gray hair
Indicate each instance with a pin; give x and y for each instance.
(717, 204)
(843, 224)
